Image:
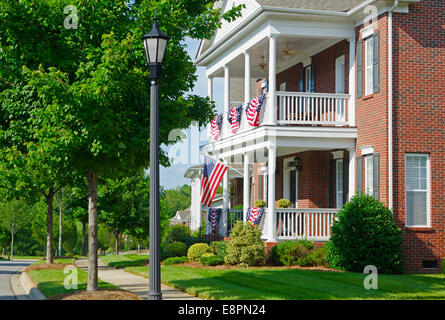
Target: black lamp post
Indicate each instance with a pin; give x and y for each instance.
(155, 43)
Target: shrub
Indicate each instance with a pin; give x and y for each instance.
(316, 257)
(365, 234)
(283, 203)
(219, 248)
(260, 203)
(289, 252)
(211, 260)
(197, 250)
(208, 254)
(443, 265)
(179, 233)
(175, 249)
(245, 246)
(175, 260)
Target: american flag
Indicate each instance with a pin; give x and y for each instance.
(234, 118)
(216, 124)
(253, 110)
(211, 178)
(254, 215)
(213, 217)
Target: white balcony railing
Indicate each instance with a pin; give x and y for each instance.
(296, 108)
(312, 108)
(311, 224)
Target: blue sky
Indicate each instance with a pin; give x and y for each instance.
(173, 176)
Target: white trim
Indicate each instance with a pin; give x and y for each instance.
(369, 159)
(369, 31)
(428, 190)
(307, 62)
(340, 74)
(367, 150)
(338, 154)
(369, 66)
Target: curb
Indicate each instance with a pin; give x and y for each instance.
(30, 288)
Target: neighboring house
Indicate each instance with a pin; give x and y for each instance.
(351, 107)
(182, 217)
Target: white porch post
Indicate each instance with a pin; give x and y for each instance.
(210, 87)
(351, 183)
(223, 218)
(246, 76)
(226, 88)
(351, 111)
(246, 186)
(271, 112)
(271, 194)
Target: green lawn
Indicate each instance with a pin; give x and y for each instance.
(64, 261)
(27, 257)
(51, 281)
(122, 261)
(293, 284)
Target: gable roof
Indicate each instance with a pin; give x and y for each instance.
(328, 5)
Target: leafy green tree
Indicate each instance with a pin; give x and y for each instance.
(177, 199)
(91, 89)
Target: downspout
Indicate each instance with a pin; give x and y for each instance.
(390, 95)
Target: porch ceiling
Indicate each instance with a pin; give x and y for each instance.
(300, 48)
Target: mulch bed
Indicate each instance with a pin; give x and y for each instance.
(44, 266)
(97, 295)
(195, 264)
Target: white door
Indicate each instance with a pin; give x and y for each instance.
(340, 87)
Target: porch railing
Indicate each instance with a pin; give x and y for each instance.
(311, 224)
(312, 108)
(233, 216)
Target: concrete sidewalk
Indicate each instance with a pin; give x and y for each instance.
(133, 283)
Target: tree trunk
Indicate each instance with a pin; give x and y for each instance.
(49, 226)
(60, 223)
(92, 231)
(84, 227)
(139, 245)
(116, 236)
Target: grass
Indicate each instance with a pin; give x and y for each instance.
(51, 281)
(122, 261)
(294, 284)
(64, 261)
(27, 257)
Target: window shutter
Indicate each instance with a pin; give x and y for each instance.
(345, 179)
(376, 176)
(359, 75)
(301, 81)
(376, 63)
(359, 186)
(312, 78)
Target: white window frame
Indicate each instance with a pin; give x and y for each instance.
(428, 190)
(369, 65)
(369, 175)
(307, 78)
(340, 74)
(339, 188)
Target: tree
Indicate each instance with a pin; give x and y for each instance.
(93, 84)
(177, 199)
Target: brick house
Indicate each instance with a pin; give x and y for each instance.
(354, 103)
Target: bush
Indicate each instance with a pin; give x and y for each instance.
(283, 203)
(175, 260)
(211, 260)
(175, 249)
(316, 257)
(260, 203)
(289, 252)
(219, 248)
(245, 246)
(179, 233)
(443, 265)
(197, 250)
(365, 234)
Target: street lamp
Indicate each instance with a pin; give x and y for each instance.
(155, 43)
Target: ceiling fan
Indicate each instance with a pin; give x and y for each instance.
(289, 52)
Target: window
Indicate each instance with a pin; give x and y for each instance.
(340, 74)
(369, 174)
(369, 59)
(417, 191)
(339, 173)
(308, 78)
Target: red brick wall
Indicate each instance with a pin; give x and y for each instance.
(418, 121)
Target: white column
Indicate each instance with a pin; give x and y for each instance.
(226, 88)
(246, 186)
(351, 183)
(271, 194)
(210, 87)
(272, 113)
(246, 76)
(223, 218)
(352, 82)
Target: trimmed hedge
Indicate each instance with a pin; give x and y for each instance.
(175, 260)
(196, 251)
(289, 252)
(219, 248)
(365, 234)
(316, 257)
(211, 260)
(175, 249)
